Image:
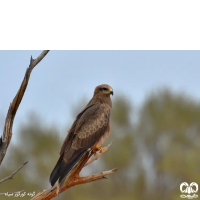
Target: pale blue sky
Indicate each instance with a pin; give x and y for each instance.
(65, 77)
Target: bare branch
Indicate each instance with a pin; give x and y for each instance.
(7, 193)
(51, 192)
(7, 134)
(11, 176)
(73, 177)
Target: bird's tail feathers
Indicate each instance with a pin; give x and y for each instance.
(67, 167)
(55, 173)
(62, 169)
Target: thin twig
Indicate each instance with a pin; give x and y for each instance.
(34, 62)
(11, 176)
(7, 134)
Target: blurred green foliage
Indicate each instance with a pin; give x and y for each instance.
(155, 146)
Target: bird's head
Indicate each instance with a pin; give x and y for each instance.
(103, 90)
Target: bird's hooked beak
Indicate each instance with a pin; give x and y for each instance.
(111, 91)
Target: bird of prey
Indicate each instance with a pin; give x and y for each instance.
(89, 130)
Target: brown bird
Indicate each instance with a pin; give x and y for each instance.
(89, 130)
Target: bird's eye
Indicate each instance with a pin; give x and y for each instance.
(104, 89)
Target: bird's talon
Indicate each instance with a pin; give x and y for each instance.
(97, 148)
(100, 148)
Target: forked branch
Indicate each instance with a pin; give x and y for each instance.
(74, 179)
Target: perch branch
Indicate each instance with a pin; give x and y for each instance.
(74, 179)
(11, 176)
(7, 134)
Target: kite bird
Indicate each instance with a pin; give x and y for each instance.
(89, 130)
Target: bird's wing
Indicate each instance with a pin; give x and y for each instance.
(90, 126)
(71, 133)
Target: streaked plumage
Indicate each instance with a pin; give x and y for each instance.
(90, 129)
